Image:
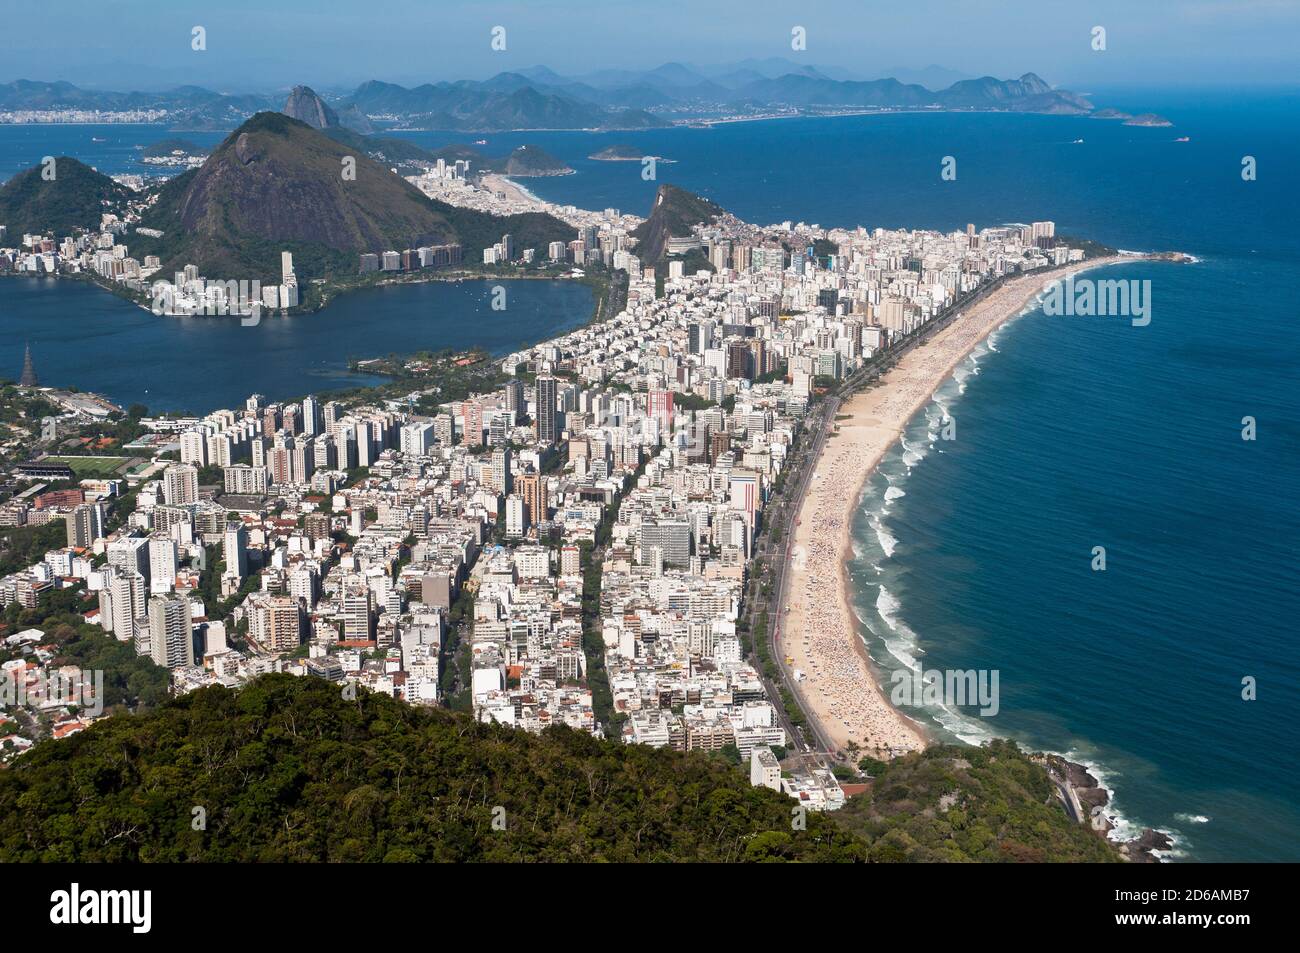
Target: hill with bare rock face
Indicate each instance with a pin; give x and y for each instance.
(674, 213)
(304, 105)
(277, 184)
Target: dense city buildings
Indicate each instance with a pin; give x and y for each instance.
(427, 555)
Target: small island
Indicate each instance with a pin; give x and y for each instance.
(174, 152)
(622, 153)
(1143, 119)
(529, 161)
(172, 147)
(1147, 119)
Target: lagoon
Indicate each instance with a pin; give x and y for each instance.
(84, 337)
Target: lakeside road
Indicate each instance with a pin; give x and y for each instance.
(819, 632)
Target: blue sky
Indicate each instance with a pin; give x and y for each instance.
(330, 44)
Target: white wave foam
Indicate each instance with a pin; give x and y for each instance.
(888, 543)
(912, 455)
(964, 728)
(1193, 818)
(903, 644)
(894, 493)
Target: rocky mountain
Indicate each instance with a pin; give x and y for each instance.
(70, 196)
(1029, 93)
(674, 213)
(276, 183)
(353, 118)
(304, 105)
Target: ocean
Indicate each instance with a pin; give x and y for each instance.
(1076, 432)
(1072, 432)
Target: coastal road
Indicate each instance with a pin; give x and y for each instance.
(772, 558)
(806, 467)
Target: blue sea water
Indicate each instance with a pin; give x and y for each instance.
(1071, 432)
(977, 553)
(112, 148)
(1080, 432)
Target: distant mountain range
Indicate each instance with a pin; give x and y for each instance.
(540, 98)
(304, 105)
(507, 101)
(188, 103)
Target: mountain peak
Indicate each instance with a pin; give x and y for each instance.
(304, 105)
(275, 184)
(1035, 84)
(674, 213)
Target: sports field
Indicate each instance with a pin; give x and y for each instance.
(90, 466)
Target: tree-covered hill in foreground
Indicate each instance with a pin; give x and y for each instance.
(287, 769)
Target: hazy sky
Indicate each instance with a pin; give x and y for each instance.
(263, 44)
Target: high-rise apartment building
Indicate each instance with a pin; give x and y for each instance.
(171, 639)
(85, 524)
(548, 425)
(181, 484)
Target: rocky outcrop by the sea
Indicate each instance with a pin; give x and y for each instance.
(1086, 799)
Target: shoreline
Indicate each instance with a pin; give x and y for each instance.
(500, 182)
(840, 689)
(402, 278)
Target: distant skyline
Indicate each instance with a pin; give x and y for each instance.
(333, 45)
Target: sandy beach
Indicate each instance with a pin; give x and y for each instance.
(514, 192)
(819, 631)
